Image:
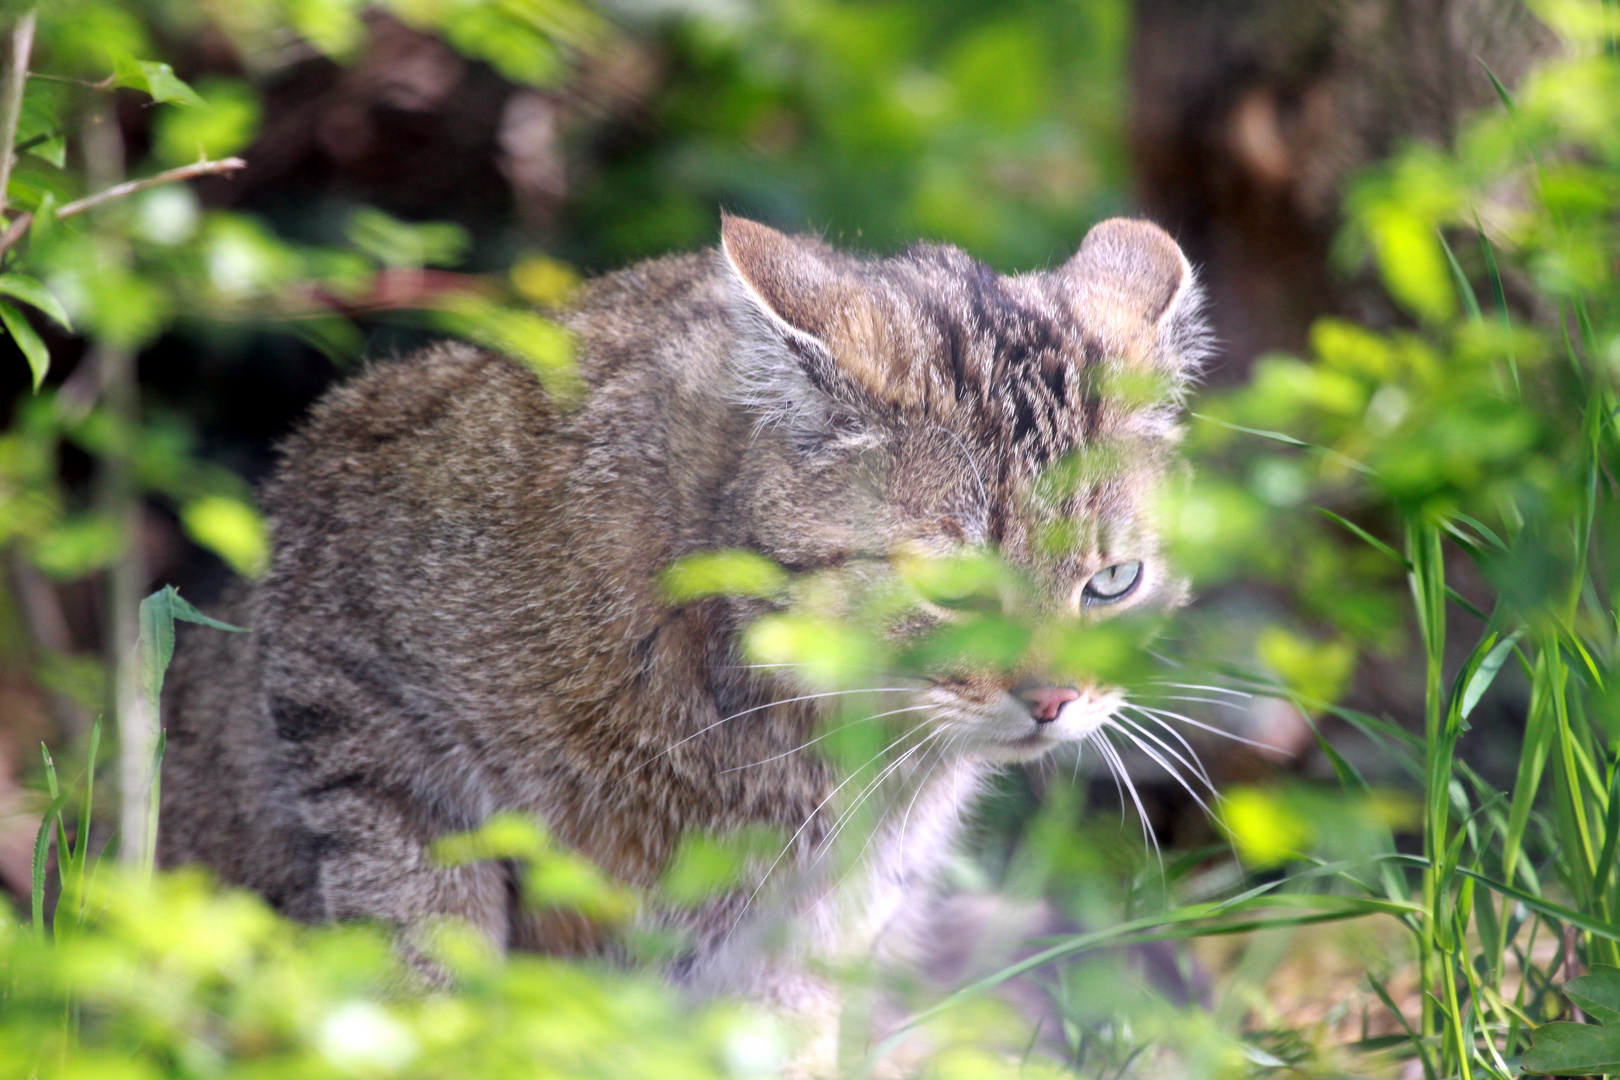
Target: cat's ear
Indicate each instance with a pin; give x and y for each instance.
(1130, 275)
(794, 281)
(809, 321)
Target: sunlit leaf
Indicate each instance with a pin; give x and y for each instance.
(544, 281)
(705, 865)
(231, 529)
(542, 345)
(1316, 671)
(1265, 830)
(822, 651)
(722, 573)
(225, 120)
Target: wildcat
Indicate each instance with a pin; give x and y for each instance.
(463, 610)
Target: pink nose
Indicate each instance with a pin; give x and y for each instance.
(1045, 702)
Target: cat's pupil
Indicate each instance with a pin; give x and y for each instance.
(1114, 582)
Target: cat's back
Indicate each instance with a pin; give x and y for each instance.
(457, 441)
(435, 553)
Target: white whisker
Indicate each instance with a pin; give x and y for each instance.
(1206, 727)
(1205, 700)
(1174, 734)
(1202, 686)
(1112, 775)
(855, 862)
(825, 847)
(906, 819)
(800, 831)
(758, 708)
(1195, 765)
(825, 734)
(1125, 778)
(1175, 774)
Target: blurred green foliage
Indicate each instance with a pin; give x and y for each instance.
(167, 977)
(999, 127)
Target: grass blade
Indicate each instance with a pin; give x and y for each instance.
(1570, 916)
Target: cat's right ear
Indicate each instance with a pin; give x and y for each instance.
(807, 321)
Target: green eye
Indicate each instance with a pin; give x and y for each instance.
(1114, 583)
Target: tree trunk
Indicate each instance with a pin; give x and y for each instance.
(1251, 115)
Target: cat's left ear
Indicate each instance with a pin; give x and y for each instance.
(1129, 276)
(813, 325)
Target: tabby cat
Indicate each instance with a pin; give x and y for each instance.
(464, 612)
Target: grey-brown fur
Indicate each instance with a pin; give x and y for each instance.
(463, 610)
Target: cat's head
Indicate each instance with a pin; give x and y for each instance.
(923, 403)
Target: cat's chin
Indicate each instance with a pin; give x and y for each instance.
(1024, 748)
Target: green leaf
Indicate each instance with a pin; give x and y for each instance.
(164, 85)
(230, 528)
(1376, 543)
(183, 611)
(156, 641)
(543, 346)
(398, 243)
(157, 79)
(1557, 911)
(1486, 674)
(1573, 1050)
(1464, 288)
(31, 291)
(1412, 262)
(33, 349)
(39, 129)
(1502, 92)
(226, 120)
(722, 573)
(42, 851)
(1598, 993)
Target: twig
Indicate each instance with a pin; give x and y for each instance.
(19, 224)
(15, 230)
(130, 187)
(109, 83)
(19, 43)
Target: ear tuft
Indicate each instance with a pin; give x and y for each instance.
(1139, 262)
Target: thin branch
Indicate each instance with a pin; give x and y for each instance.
(19, 224)
(130, 187)
(109, 83)
(19, 44)
(14, 231)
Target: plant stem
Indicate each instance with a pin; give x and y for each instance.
(18, 45)
(119, 500)
(20, 223)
